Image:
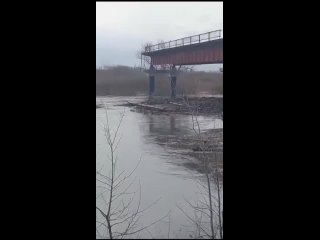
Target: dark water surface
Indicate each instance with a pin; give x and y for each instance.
(157, 174)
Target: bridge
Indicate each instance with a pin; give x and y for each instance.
(205, 48)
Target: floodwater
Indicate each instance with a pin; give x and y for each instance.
(157, 176)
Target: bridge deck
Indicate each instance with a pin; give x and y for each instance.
(208, 49)
(187, 41)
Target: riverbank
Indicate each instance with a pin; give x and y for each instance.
(194, 105)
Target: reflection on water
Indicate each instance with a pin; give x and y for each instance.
(159, 178)
(177, 124)
(164, 125)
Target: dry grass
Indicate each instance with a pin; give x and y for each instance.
(126, 81)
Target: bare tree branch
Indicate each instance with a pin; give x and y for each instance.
(119, 220)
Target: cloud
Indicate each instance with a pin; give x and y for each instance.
(122, 27)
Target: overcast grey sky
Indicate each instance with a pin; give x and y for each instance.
(123, 27)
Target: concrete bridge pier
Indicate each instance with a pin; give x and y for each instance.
(173, 82)
(151, 85)
(151, 81)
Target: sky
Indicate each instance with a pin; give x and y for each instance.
(123, 27)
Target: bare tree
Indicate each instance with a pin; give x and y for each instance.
(210, 205)
(119, 217)
(145, 61)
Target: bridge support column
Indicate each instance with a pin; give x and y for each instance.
(151, 85)
(173, 82)
(151, 81)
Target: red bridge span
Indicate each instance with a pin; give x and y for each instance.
(206, 48)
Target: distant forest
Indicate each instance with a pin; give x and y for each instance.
(128, 81)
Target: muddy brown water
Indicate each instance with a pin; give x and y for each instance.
(161, 172)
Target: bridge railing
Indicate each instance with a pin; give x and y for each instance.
(204, 37)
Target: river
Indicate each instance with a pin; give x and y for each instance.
(157, 174)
